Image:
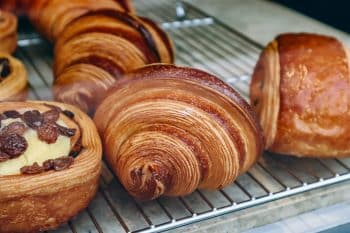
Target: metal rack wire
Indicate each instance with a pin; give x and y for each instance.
(201, 41)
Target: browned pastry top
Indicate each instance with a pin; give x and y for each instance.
(314, 93)
(162, 123)
(101, 20)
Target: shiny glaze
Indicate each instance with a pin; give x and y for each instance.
(314, 97)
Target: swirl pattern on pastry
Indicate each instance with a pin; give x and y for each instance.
(169, 130)
(38, 202)
(13, 79)
(113, 41)
(300, 90)
(51, 17)
(8, 32)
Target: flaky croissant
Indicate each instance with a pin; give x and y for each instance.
(13, 79)
(170, 130)
(44, 194)
(8, 32)
(51, 17)
(301, 92)
(107, 44)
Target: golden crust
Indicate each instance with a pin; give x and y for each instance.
(314, 96)
(107, 43)
(52, 17)
(8, 32)
(32, 203)
(14, 87)
(171, 130)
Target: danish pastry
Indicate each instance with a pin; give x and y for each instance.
(50, 162)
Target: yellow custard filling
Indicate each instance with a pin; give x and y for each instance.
(37, 150)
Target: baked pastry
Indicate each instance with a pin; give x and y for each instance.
(8, 32)
(52, 16)
(13, 79)
(15, 6)
(52, 152)
(300, 91)
(170, 130)
(97, 48)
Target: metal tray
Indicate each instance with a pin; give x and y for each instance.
(203, 42)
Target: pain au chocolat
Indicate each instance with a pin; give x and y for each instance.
(8, 32)
(170, 130)
(50, 162)
(98, 48)
(13, 79)
(300, 91)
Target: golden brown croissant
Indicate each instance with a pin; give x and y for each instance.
(169, 130)
(52, 153)
(13, 79)
(51, 17)
(300, 90)
(8, 32)
(108, 43)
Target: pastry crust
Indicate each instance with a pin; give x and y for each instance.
(51, 17)
(107, 43)
(169, 130)
(14, 87)
(32, 203)
(8, 32)
(304, 100)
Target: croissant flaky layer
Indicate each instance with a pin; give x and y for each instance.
(300, 90)
(51, 17)
(169, 130)
(43, 201)
(108, 43)
(13, 79)
(8, 32)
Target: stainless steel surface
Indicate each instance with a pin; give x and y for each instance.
(203, 42)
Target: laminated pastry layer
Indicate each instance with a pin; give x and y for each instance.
(170, 123)
(265, 91)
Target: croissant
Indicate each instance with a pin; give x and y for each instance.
(13, 79)
(107, 44)
(8, 32)
(52, 153)
(300, 91)
(169, 130)
(52, 16)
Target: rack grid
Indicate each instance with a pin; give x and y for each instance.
(203, 42)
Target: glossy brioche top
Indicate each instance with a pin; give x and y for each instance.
(162, 123)
(312, 85)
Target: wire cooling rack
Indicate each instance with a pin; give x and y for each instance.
(204, 42)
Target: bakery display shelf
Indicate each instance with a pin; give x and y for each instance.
(204, 42)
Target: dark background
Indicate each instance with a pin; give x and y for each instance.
(335, 13)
